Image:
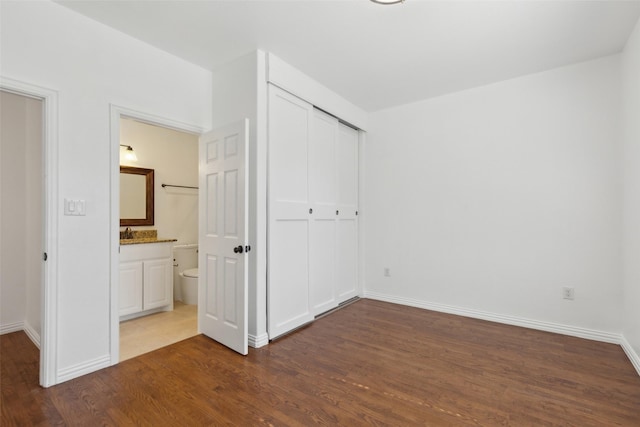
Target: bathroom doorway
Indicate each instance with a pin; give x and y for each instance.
(171, 150)
(28, 217)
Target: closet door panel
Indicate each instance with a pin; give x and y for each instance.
(347, 220)
(322, 195)
(288, 210)
(346, 259)
(322, 243)
(322, 159)
(288, 134)
(347, 167)
(288, 273)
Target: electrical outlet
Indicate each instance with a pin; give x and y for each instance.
(387, 272)
(568, 293)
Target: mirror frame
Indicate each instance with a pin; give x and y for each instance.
(149, 180)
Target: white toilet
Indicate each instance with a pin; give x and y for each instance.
(185, 277)
(189, 283)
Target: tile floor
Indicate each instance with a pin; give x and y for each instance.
(145, 334)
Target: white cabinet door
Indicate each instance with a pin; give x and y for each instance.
(289, 211)
(323, 198)
(130, 288)
(158, 283)
(347, 220)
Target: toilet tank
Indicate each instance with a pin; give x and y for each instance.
(184, 258)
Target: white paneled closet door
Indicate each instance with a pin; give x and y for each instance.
(288, 224)
(323, 197)
(313, 219)
(346, 268)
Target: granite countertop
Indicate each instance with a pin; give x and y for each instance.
(141, 240)
(137, 237)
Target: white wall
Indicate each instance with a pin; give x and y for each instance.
(239, 89)
(92, 66)
(631, 231)
(173, 156)
(492, 199)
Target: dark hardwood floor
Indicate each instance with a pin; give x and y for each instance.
(371, 363)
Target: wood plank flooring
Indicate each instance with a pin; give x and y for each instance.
(371, 363)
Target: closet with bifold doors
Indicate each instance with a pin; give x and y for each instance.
(312, 212)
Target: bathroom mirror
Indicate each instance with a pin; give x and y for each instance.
(136, 196)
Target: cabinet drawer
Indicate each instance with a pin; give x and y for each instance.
(145, 251)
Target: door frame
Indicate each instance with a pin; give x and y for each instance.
(116, 114)
(49, 282)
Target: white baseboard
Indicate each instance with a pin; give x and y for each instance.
(76, 371)
(7, 328)
(32, 334)
(258, 341)
(558, 328)
(631, 354)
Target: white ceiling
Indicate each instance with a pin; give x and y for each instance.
(379, 56)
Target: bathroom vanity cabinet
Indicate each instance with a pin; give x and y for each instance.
(146, 279)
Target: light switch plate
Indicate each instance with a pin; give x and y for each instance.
(74, 207)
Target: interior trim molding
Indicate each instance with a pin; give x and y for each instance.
(32, 334)
(631, 353)
(257, 341)
(574, 331)
(7, 328)
(84, 368)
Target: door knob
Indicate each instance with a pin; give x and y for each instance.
(238, 249)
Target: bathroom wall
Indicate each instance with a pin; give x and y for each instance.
(21, 214)
(173, 156)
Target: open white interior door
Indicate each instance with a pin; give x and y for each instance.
(222, 285)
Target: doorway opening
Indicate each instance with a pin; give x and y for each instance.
(22, 214)
(222, 199)
(28, 219)
(170, 150)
